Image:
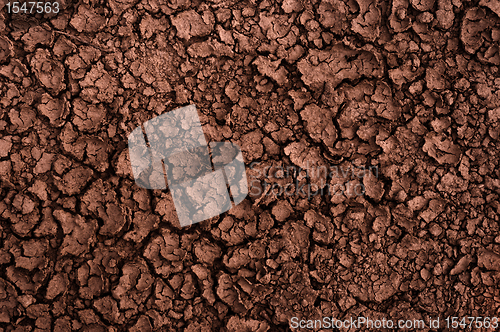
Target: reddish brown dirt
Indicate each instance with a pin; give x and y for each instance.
(411, 87)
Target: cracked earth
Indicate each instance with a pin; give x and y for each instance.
(410, 87)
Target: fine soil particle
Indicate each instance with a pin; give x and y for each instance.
(370, 133)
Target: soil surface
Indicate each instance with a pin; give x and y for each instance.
(407, 88)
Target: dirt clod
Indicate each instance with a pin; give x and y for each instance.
(369, 132)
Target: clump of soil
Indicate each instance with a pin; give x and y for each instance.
(407, 89)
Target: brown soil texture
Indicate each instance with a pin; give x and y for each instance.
(411, 87)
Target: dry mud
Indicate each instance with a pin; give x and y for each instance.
(411, 87)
